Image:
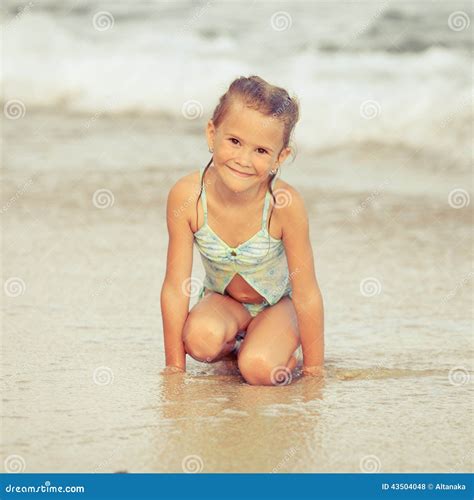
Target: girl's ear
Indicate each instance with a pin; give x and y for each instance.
(283, 155)
(210, 133)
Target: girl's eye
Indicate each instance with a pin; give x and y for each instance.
(260, 150)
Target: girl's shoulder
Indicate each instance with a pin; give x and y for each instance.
(185, 189)
(190, 178)
(186, 185)
(290, 203)
(287, 192)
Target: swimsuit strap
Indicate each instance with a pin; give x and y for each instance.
(266, 205)
(203, 195)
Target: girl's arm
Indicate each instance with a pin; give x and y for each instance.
(306, 295)
(174, 293)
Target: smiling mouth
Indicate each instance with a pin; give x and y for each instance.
(239, 174)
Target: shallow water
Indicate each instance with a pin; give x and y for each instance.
(58, 416)
(385, 168)
(82, 335)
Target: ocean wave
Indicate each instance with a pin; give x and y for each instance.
(389, 98)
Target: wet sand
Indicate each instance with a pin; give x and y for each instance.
(82, 336)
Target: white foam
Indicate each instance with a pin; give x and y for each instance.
(420, 99)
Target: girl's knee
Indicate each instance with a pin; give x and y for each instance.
(203, 337)
(254, 370)
(257, 370)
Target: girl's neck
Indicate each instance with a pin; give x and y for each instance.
(227, 197)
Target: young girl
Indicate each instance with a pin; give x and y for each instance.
(260, 299)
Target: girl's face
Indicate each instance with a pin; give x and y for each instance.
(247, 145)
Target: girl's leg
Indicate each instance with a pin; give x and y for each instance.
(266, 355)
(211, 326)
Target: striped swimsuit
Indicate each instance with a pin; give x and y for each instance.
(261, 261)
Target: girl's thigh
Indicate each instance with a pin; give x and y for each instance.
(219, 312)
(272, 336)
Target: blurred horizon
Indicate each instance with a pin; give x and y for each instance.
(390, 73)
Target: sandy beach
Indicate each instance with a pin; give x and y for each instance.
(104, 109)
(82, 337)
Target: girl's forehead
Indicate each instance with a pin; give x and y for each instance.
(252, 125)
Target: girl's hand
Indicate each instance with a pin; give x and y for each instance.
(313, 371)
(169, 370)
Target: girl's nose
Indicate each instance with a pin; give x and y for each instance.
(244, 159)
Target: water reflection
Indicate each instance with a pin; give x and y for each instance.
(226, 425)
